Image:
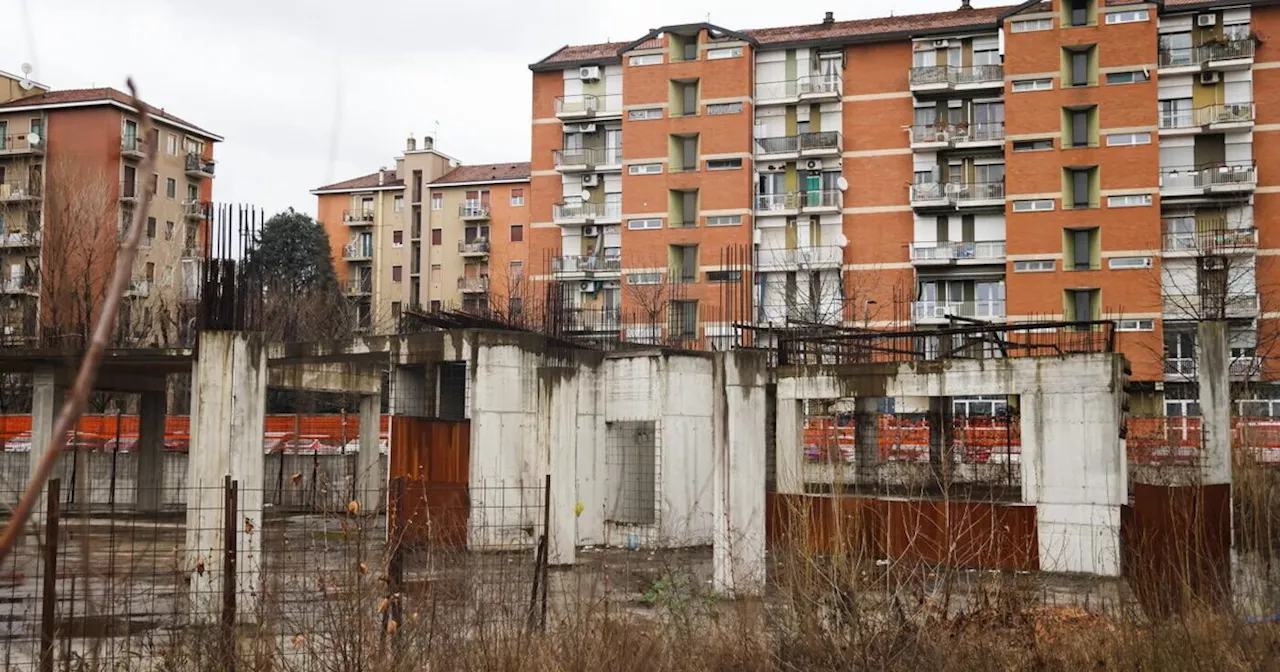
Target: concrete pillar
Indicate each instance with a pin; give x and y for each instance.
(941, 426)
(229, 387)
(1213, 359)
(738, 477)
(558, 425)
(867, 449)
(789, 446)
(369, 477)
(150, 480)
(46, 403)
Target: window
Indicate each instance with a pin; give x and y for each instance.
(437, 236)
(396, 272)
(1081, 305)
(435, 305)
(437, 201)
(171, 144)
(1037, 205)
(1032, 85)
(645, 169)
(1122, 263)
(1128, 139)
(727, 52)
(683, 263)
(1034, 266)
(397, 204)
(517, 197)
(515, 270)
(685, 102)
(1135, 325)
(724, 164)
(684, 320)
(168, 230)
(517, 233)
(1079, 124)
(644, 278)
(1129, 77)
(437, 274)
(1032, 145)
(155, 183)
(646, 59)
(724, 220)
(415, 259)
(724, 108)
(193, 192)
(724, 276)
(171, 188)
(647, 113)
(1079, 247)
(1133, 16)
(1129, 201)
(684, 150)
(1078, 63)
(151, 227)
(644, 224)
(1031, 25)
(684, 210)
(1175, 113)
(1077, 12)
(1079, 188)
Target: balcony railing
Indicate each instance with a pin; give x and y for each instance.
(1239, 174)
(987, 131)
(818, 85)
(1211, 242)
(820, 141)
(357, 217)
(20, 239)
(828, 198)
(358, 286)
(358, 250)
(941, 310)
(132, 146)
(928, 191)
(983, 250)
(799, 258)
(586, 264)
(21, 144)
(583, 320)
(963, 193)
(199, 166)
(1222, 113)
(20, 284)
(473, 247)
(1180, 366)
(1221, 51)
(587, 156)
(787, 144)
(474, 285)
(951, 75)
(1209, 307)
(1239, 367)
(588, 105)
(21, 190)
(473, 210)
(196, 209)
(140, 288)
(586, 211)
(777, 90)
(777, 202)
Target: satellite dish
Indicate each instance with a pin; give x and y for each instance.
(33, 138)
(585, 195)
(842, 184)
(26, 82)
(841, 241)
(26, 68)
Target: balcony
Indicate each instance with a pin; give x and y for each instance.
(930, 195)
(20, 145)
(961, 195)
(777, 92)
(198, 166)
(587, 106)
(1211, 243)
(473, 211)
(827, 201)
(583, 160)
(1215, 179)
(940, 312)
(19, 191)
(940, 78)
(778, 204)
(821, 143)
(586, 213)
(1225, 55)
(780, 148)
(357, 217)
(129, 191)
(477, 285)
(358, 250)
(474, 248)
(799, 259)
(132, 147)
(1235, 305)
(589, 320)
(20, 239)
(944, 253)
(139, 289)
(586, 265)
(819, 87)
(196, 209)
(1218, 118)
(358, 286)
(1183, 369)
(960, 136)
(22, 284)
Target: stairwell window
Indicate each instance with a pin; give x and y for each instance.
(1128, 139)
(1081, 249)
(1129, 201)
(724, 164)
(727, 52)
(1031, 25)
(645, 114)
(645, 59)
(1134, 16)
(1135, 325)
(1025, 85)
(1079, 12)
(1129, 77)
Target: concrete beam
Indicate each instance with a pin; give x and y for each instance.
(369, 486)
(340, 377)
(46, 402)
(1213, 362)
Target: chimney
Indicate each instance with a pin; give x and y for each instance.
(382, 175)
(410, 144)
(830, 18)
(428, 142)
(964, 4)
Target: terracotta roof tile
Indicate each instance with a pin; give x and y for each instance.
(90, 95)
(485, 172)
(365, 182)
(887, 25)
(585, 52)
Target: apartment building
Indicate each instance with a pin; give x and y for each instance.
(1074, 159)
(431, 233)
(69, 183)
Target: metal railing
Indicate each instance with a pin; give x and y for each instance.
(587, 156)
(820, 141)
(983, 131)
(941, 310)
(199, 164)
(1219, 51)
(20, 284)
(586, 263)
(140, 288)
(777, 90)
(20, 239)
(357, 286)
(816, 85)
(827, 198)
(1245, 367)
(357, 249)
(473, 210)
(787, 144)
(1225, 113)
(1178, 119)
(196, 208)
(477, 284)
(992, 250)
(808, 257)
(929, 75)
(1212, 241)
(963, 192)
(587, 105)
(928, 191)
(19, 190)
(1242, 173)
(357, 217)
(1207, 307)
(987, 131)
(473, 247)
(573, 211)
(16, 144)
(777, 202)
(132, 144)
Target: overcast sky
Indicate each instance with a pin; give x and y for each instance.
(308, 92)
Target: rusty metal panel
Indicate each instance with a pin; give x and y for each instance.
(430, 463)
(1177, 546)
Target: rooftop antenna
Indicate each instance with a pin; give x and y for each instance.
(26, 82)
(436, 133)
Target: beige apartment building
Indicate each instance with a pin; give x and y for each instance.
(69, 182)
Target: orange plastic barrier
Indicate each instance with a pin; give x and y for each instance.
(103, 429)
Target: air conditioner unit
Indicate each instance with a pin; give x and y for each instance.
(941, 44)
(755, 237)
(1214, 263)
(589, 73)
(813, 165)
(590, 231)
(1210, 77)
(587, 286)
(1207, 20)
(590, 180)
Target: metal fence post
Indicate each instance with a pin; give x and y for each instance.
(49, 594)
(230, 490)
(546, 547)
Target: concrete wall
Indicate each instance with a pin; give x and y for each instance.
(1073, 466)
